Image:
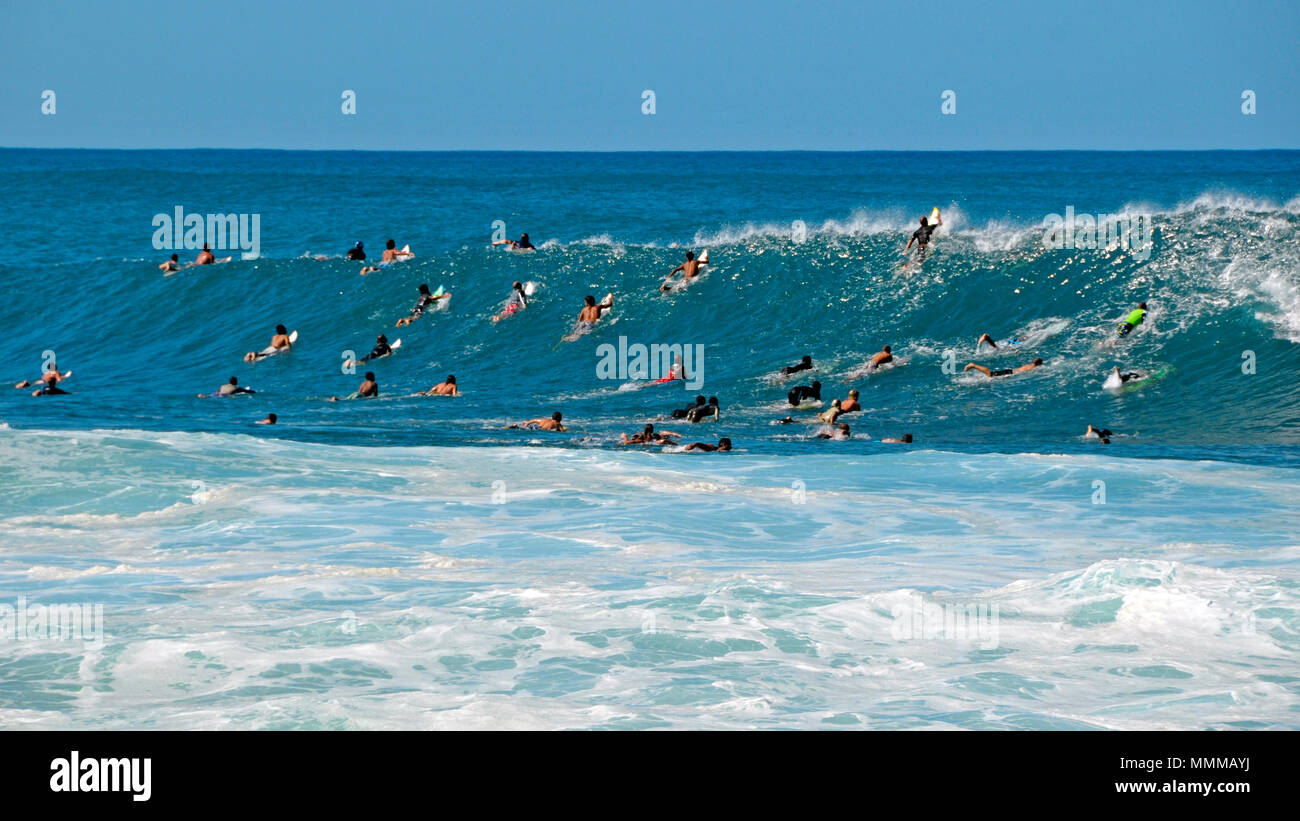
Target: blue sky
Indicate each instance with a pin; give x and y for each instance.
(726, 75)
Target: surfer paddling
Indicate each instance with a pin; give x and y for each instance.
(689, 269)
(280, 343)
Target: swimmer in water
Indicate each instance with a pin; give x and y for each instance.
(1004, 371)
(802, 393)
(279, 342)
(551, 423)
(1015, 340)
(805, 364)
(724, 445)
(357, 253)
(446, 387)
(270, 419)
(906, 440)
(1103, 434)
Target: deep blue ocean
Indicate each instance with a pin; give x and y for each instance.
(409, 561)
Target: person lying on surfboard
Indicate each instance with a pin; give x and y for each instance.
(425, 301)
(591, 311)
(382, 348)
(205, 257)
(1134, 319)
(172, 265)
(851, 404)
(369, 389)
(521, 244)
(690, 268)
(356, 253)
(921, 236)
(231, 388)
(446, 387)
(49, 380)
(393, 254)
(649, 436)
(551, 423)
(279, 342)
(805, 364)
(270, 419)
(517, 301)
(884, 357)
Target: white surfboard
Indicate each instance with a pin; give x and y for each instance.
(933, 219)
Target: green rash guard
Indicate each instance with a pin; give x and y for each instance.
(1136, 317)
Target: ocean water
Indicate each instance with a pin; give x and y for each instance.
(410, 562)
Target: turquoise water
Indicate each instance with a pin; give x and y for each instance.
(408, 562)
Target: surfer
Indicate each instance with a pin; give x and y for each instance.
(279, 342)
(517, 301)
(1103, 434)
(393, 254)
(1015, 340)
(521, 244)
(172, 265)
(426, 299)
(906, 440)
(851, 405)
(804, 364)
(690, 269)
(1125, 377)
(839, 435)
(446, 387)
(552, 423)
(832, 413)
(704, 410)
(884, 357)
(231, 388)
(591, 312)
(269, 420)
(724, 444)
(205, 256)
(921, 236)
(649, 436)
(382, 348)
(369, 388)
(48, 381)
(971, 366)
(357, 253)
(1134, 319)
(802, 393)
(681, 413)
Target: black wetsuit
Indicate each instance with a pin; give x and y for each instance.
(356, 254)
(802, 366)
(1003, 372)
(701, 412)
(922, 235)
(799, 393)
(382, 349)
(425, 301)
